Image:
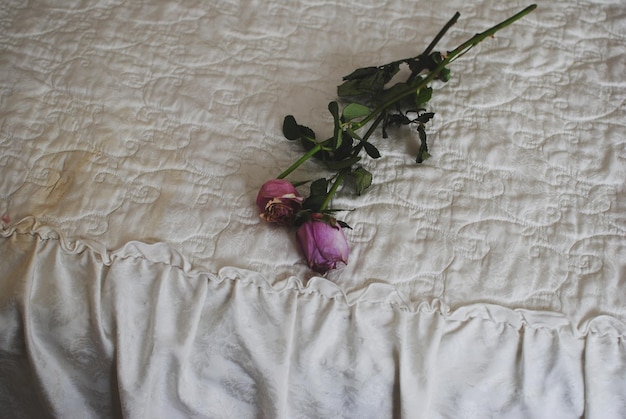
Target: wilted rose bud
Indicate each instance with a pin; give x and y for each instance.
(323, 244)
(279, 202)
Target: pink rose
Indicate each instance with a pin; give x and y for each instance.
(323, 244)
(279, 202)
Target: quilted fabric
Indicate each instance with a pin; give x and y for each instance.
(155, 123)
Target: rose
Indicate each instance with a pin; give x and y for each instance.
(320, 236)
(279, 202)
(323, 243)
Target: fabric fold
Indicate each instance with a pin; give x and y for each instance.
(174, 341)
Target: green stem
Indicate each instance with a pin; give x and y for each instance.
(411, 89)
(301, 160)
(489, 32)
(440, 35)
(432, 44)
(333, 189)
(372, 128)
(475, 40)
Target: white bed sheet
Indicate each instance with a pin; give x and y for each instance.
(137, 278)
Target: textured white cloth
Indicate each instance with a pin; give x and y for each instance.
(136, 277)
(138, 333)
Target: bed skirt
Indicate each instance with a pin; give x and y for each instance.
(138, 332)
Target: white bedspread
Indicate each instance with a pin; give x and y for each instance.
(137, 280)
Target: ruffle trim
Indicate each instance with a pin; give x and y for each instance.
(383, 295)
